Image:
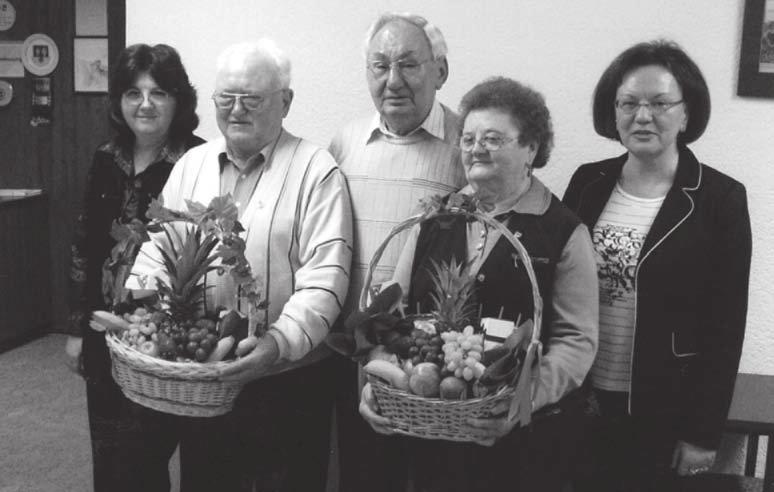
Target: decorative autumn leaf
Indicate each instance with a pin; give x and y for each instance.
(157, 212)
(197, 211)
(225, 212)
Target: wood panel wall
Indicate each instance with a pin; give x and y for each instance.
(55, 158)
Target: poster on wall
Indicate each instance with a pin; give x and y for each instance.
(756, 61)
(91, 18)
(11, 65)
(90, 65)
(766, 60)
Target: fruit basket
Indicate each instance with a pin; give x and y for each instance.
(180, 388)
(436, 418)
(170, 357)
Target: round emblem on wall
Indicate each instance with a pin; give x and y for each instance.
(6, 93)
(40, 54)
(7, 15)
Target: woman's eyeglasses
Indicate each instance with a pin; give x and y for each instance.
(490, 143)
(155, 96)
(656, 108)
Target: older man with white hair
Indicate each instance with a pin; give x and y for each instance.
(295, 207)
(407, 150)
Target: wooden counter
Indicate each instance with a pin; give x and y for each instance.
(25, 285)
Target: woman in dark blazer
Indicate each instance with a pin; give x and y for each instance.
(672, 242)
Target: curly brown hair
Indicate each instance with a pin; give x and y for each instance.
(526, 106)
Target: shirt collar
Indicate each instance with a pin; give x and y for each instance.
(433, 125)
(535, 201)
(125, 159)
(225, 157)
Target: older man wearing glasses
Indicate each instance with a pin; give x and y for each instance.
(404, 152)
(293, 202)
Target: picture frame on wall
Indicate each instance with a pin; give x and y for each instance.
(91, 18)
(756, 60)
(90, 65)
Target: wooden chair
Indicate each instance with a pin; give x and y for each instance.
(716, 482)
(752, 414)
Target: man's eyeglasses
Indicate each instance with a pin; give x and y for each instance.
(157, 97)
(251, 101)
(490, 143)
(656, 108)
(406, 68)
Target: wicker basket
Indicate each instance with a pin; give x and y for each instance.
(434, 418)
(181, 388)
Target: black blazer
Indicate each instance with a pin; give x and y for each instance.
(691, 288)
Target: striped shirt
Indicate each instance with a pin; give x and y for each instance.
(388, 174)
(618, 237)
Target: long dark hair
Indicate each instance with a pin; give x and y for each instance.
(162, 62)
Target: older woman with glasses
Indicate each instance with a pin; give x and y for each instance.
(152, 111)
(506, 133)
(672, 242)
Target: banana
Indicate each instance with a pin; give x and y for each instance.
(110, 321)
(389, 372)
(222, 349)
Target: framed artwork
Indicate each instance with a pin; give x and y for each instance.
(91, 18)
(90, 65)
(756, 61)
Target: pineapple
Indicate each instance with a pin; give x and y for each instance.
(186, 269)
(453, 294)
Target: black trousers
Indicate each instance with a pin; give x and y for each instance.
(362, 452)
(131, 445)
(625, 453)
(539, 457)
(276, 439)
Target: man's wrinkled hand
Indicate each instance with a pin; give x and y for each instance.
(254, 362)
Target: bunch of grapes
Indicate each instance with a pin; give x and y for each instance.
(188, 340)
(421, 344)
(425, 347)
(462, 353)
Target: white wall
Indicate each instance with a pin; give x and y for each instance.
(558, 47)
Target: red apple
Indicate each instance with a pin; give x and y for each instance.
(425, 380)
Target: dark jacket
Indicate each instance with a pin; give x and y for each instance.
(113, 194)
(691, 287)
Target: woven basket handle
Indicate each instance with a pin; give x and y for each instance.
(484, 219)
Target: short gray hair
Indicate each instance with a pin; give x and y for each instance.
(265, 47)
(433, 35)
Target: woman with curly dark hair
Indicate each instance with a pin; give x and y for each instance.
(506, 133)
(152, 111)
